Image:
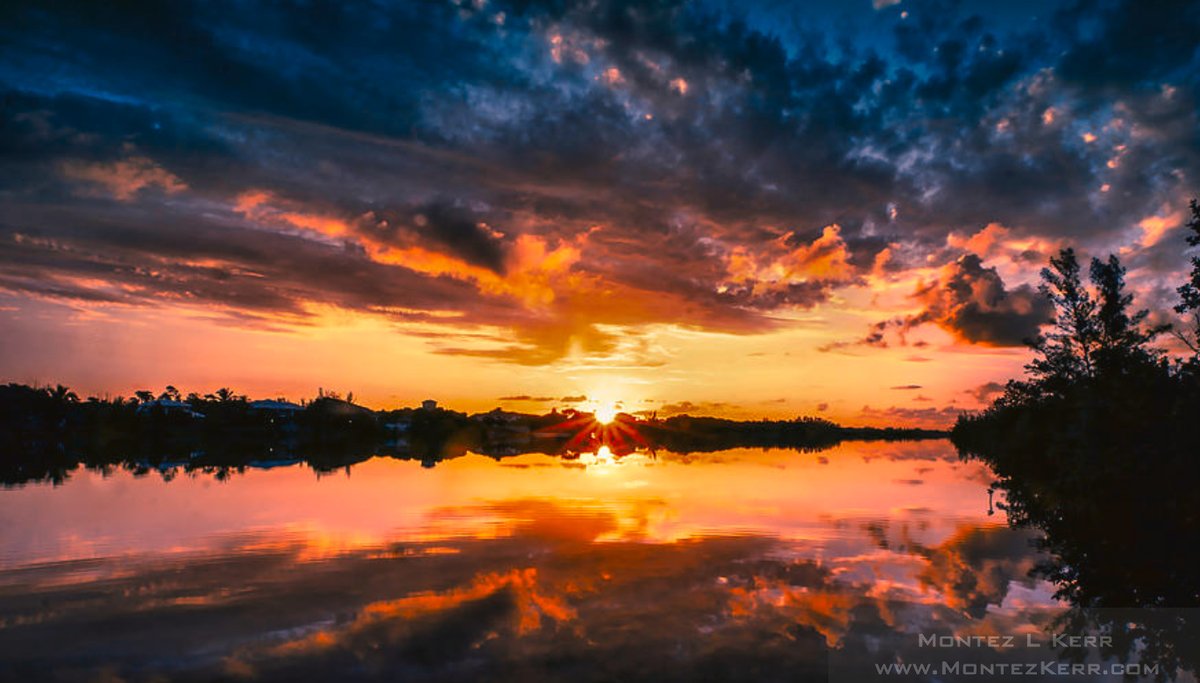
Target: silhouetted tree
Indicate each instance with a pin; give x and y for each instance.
(1189, 292)
(1120, 337)
(1066, 354)
(1097, 449)
(226, 395)
(62, 394)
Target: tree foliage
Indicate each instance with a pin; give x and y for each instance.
(1097, 448)
(1189, 292)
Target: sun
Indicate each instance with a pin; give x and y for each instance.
(605, 413)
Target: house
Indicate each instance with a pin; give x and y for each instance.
(327, 407)
(503, 427)
(276, 411)
(168, 407)
(429, 404)
(276, 408)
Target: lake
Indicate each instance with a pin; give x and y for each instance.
(744, 564)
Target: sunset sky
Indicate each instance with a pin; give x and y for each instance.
(746, 209)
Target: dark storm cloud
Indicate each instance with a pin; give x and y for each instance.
(969, 301)
(670, 134)
(453, 227)
(1122, 45)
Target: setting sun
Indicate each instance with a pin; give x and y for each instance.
(606, 413)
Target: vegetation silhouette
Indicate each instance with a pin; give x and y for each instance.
(1097, 447)
(45, 433)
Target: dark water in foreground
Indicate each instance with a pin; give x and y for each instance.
(737, 565)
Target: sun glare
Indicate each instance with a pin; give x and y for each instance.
(606, 413)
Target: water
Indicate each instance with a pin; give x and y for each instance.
(743, 564)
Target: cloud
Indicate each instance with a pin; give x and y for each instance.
(125, 178)
(978, 566)
(688, 407)
(790, 271)
(970, 301)
(462, 233)
(931, 417)
(985, 392)
(735, 171)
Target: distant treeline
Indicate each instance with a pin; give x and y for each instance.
(687, 434)
(45, 432)
(1099, 447)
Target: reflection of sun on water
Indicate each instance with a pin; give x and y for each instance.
(600, 462)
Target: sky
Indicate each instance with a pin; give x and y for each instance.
(746, 209)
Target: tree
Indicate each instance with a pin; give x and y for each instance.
(1189, 292)
(63, 394)
(1066, 354)
(1120, 337)
(169, 394)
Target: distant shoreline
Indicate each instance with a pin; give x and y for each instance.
(47, 432)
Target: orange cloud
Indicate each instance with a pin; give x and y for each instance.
(982, 242)
(267, 209)
(125, 178)
(827, 610)
(534, 274)
(997, 242)
(532, 605)
(825, 259)
(534, 270)
(1154, 227)
(975, 567)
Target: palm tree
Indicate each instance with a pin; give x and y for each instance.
(63, 394)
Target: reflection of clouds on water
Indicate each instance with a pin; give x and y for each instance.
(746, 564)
(568, 589)
(776, 492)
(975, 568)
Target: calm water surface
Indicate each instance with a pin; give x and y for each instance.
(743, 564)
